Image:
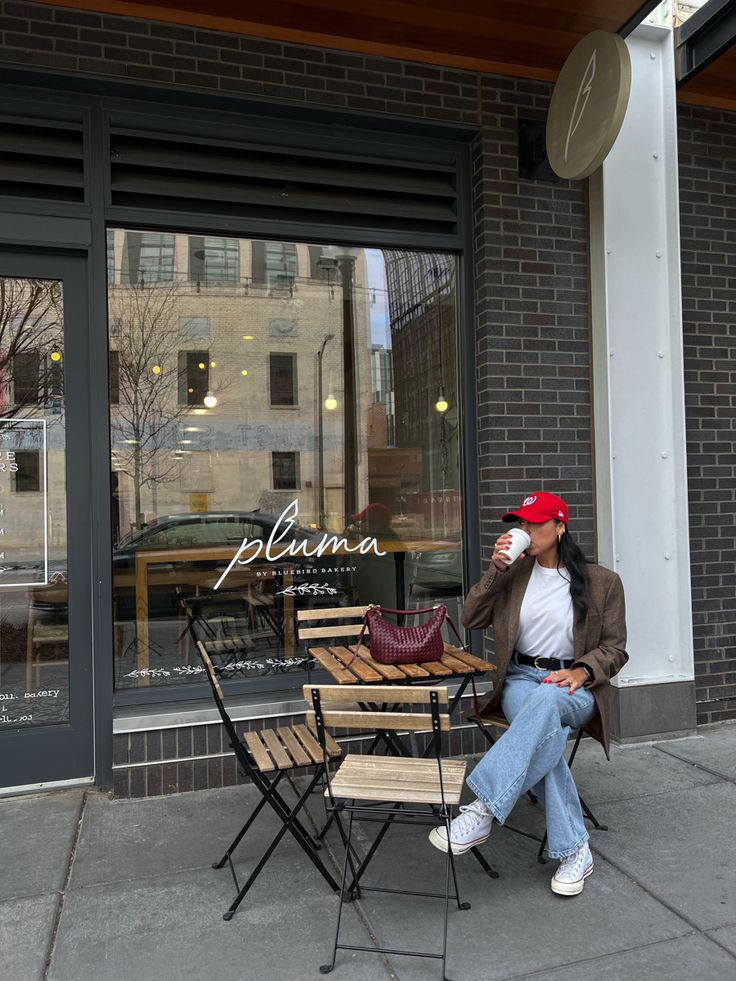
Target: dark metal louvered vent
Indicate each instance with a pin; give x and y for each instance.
(170, 173)
(41, 159)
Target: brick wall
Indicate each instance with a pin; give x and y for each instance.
(532, 328)
(531, 266)
(59, 39)
(708, 234)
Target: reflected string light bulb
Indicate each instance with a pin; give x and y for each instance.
(156, 369)
(330, 402)
(201, 365)
(244, 372)
(441, 405)
(247, 337)
(210, 400)
(56, 355)
(213, 364)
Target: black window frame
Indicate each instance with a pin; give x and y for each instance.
(277, 384)
(279, 458)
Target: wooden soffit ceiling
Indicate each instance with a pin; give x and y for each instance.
(530, 38)
(714, 85)
(706, 55)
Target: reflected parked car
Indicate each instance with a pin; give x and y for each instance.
(177, 532)
(439, 571)
(202, 530)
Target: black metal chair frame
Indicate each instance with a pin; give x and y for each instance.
(478, 720)
(268, 786)
(386, 816)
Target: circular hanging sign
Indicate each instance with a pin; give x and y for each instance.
(588, 105)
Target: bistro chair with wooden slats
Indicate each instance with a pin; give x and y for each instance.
(329, 636)
(267, 757)
(387, 790)
(497, 720)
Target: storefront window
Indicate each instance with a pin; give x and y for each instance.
(284, 433)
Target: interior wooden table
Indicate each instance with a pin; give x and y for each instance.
(145, 558)
(245, 574)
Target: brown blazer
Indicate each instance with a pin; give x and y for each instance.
(599, 642)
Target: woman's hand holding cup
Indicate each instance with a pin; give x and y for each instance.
(509, 547)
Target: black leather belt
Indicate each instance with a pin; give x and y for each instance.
(543, 663)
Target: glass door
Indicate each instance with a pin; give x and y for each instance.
(45, 594)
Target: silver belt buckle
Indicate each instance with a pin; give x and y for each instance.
(539, 666)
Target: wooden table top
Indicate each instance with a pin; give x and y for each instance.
(353, 665)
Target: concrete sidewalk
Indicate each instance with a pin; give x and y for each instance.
(100, 890)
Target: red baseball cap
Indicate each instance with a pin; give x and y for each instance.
(539, 507)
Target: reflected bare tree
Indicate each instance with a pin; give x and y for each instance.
(145, 347)
(31, 345)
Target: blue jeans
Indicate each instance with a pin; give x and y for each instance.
(530, 755)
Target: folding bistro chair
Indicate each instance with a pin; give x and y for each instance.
(498, 720)
(266, 758)
(362, 784)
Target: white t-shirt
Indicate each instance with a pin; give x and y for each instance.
(546, 619)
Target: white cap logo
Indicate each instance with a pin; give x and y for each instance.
(528, 501)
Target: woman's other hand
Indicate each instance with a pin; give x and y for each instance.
(570, 678)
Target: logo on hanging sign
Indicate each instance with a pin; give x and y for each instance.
(588, 105)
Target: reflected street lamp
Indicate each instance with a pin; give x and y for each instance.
(346, 257)
(321, 435)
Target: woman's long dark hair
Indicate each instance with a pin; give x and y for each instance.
(571, 557)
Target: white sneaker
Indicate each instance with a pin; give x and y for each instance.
(570, 877)
(470, 828)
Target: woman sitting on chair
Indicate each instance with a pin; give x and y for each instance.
(560, 633)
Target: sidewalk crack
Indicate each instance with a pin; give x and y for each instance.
(64, 887)
(700, 766)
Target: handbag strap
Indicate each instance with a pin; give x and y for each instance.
(425, 609)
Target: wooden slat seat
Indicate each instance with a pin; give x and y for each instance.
(396, 778)
(286, 748)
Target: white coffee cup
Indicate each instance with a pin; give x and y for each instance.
(520, 540)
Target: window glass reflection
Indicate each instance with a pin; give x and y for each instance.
(34, 607)
(273, 406)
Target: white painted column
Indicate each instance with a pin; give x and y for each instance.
(638, 369)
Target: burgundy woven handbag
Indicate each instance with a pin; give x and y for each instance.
(391, 644)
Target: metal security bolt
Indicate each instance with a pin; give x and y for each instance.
(658, 255)
(668, 555)
(664, 456)
(660, 354)
(656, 156)
(671, 658)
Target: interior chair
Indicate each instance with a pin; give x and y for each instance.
(498, 721)
(387, 790)
(47, 639)
(266, 758)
